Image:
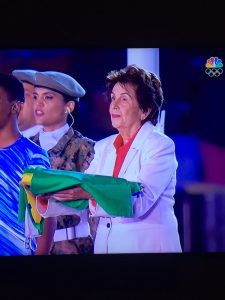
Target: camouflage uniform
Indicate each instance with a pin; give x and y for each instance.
(72, 152)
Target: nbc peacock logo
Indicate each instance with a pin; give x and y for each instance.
(214, 67)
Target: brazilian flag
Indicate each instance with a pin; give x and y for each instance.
(113, 194)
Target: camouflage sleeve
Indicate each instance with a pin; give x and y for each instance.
(86, 154)
(93, 223)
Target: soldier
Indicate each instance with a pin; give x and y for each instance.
(55, 97)
(26, 119)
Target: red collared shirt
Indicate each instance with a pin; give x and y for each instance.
(121, 152)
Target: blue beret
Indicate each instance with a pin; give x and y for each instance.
(25, 75)
(60, 82)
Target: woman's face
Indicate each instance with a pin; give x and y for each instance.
(49, 108)
(125, 112)
(26, 116)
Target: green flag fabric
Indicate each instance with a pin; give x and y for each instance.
(113, 194)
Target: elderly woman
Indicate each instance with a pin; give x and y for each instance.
(139, 152)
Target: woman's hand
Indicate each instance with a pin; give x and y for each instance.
(75, 193)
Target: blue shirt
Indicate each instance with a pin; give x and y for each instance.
(13, 160)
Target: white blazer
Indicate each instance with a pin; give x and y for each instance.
(153, 227)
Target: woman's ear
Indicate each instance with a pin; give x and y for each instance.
(145, 114)
(70, 106)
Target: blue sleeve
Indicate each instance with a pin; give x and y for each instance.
(40, 159)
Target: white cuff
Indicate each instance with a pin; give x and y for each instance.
(54, 209)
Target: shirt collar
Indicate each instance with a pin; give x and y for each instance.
(118, 143)
(57, 133)
(50, 138)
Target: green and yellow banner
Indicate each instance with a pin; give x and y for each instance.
(113, 194)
